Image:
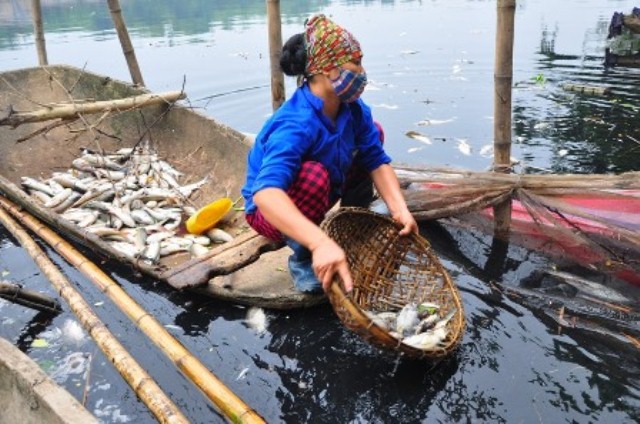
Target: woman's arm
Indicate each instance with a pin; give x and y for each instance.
(328, 258)
(386, 182)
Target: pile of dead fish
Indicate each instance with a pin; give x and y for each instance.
(416, 325)
(131, 199)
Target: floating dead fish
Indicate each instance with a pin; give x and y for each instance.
(256, 319)
(486, 150)
(428, 122)
(417, 136)
(590, 288)
(464, 147)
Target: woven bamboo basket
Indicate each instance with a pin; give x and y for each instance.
(389, 271)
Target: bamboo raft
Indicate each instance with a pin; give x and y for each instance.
(45, 123)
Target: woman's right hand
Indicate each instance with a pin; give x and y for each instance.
(329, 258)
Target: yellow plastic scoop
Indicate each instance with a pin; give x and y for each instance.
(208, 216)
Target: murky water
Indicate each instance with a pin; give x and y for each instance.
(428, 60)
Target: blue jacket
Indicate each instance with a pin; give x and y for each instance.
(299, 132)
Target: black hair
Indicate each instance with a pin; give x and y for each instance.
(293, 59)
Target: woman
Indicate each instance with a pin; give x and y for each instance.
(306, 156)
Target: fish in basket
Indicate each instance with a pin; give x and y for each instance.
(403, 299)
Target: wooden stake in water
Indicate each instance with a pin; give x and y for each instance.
(275, 47)
(125, 42)
(39, 32)
(503, 77)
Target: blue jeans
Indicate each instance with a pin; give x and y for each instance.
(300, 268)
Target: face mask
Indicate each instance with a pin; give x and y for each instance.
(349, 85)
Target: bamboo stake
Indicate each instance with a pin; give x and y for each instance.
(125, 42)
(39, 32)
(503, 77)
(68, 111)
(228, 402)
(275, 47)
(141, 382)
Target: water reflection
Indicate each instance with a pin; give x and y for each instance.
(554, 130)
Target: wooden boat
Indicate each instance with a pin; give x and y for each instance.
(248, 270)
(29, 395)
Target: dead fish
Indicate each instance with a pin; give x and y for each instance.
(218, 235)
(110, 175)
(37, 185)
(256, 319)
(427, 323)
(69, 181)
(384, 320)
(186, 190)
(590, 288)
(58, 198)
(152, 252)
(201, 240)
(101, 161)
(427, 340)
(167, 249)
(66, 203)
(142, 217)
(417, 136)
(159, 236)
(40, 196)
(116, 212)
(198, 250)
(486, 150)
(89, 219)
(464, 147)
(125, 248)
(82, 165)
(427, 122)
(407, 319)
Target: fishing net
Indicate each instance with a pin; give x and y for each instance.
(591, 220)
(390, 271)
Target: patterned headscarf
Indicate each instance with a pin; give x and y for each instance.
(328, 45)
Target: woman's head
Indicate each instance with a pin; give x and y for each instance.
(323, 46)
(326, 49)
(328, 45)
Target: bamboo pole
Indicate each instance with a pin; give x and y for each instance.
(141, 382)
(275, 47)
(125, 42)
(503, 76)
(228, 402)
(28, 298)
(67, 111)
(38, 30)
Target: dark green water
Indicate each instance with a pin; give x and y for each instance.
(427, 60)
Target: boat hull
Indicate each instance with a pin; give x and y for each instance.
(196, 145)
